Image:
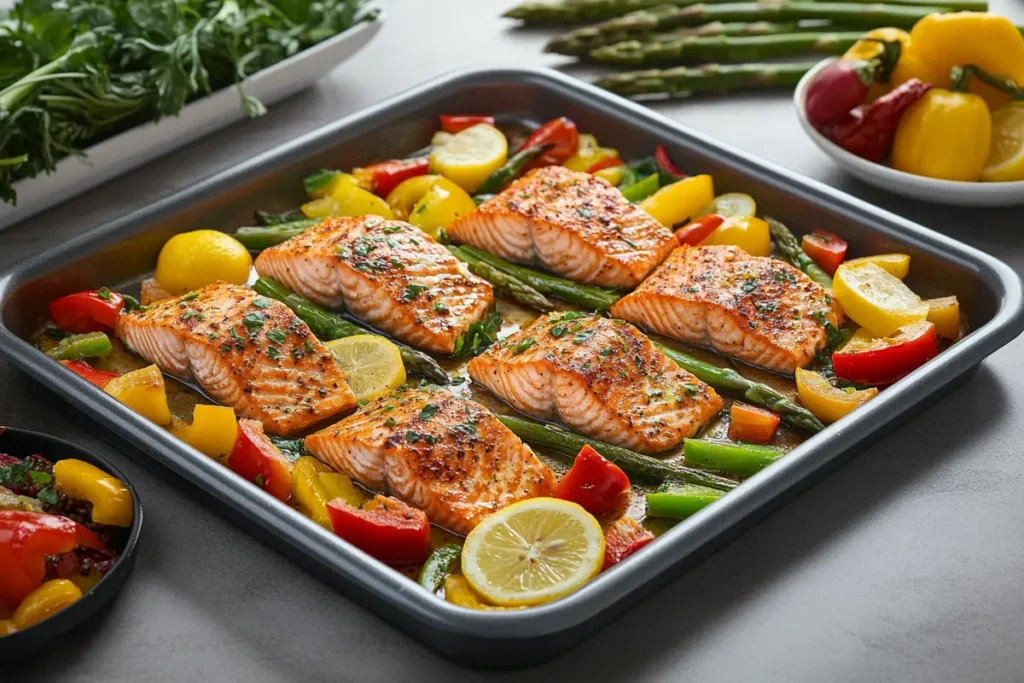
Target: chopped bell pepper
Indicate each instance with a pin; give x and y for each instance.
(825, 401)
(749, 233)
(613, 174)
(589, 154)
(944, 313)
(144, 392)
(676, 500)
(752, 424)
(26, 538)
(680, 201)
(867, 359)
(453, 123)
(827, 250)
(87, 372)
(404, 197)
(699, 229)
(325, 182)
(314, 484)
(666, 164)
(641, 190)
(257, 459)
(45, 601)
(897, 265)
(385, 176)
(623, 538)
(594, 483)
(440, 206)
(111, 500)
(347, 199)
(875, 299)
(95, 310)
(213, 431)
(561, 136)
(385, 528)
(610, 162)
(79, 346)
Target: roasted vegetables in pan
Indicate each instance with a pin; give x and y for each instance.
(506, 363)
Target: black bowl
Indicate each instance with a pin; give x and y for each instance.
(21, 443)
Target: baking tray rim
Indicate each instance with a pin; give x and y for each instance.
(607, 589)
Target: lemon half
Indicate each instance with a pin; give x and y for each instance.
(372, 365)
(1006, 160)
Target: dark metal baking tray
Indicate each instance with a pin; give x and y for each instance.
(989, 291)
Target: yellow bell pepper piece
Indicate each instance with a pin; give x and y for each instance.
(944, 135)
(750, 234)
(986, 40)
(894, 264)
(875, 299)
(86, 582)
(470, 156)
(314, 484)
(338, 485)
(111, 500)
(347, 199)
(458, 592)
(443, 203)
(7, 627)
(944, 313)
(825, 401)
(213, 431)
(48, 599)
(144, 392)
(588, 153)
(613, 174)
(678, 202)
(867, 49)
(404, 197)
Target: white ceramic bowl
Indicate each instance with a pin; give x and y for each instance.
(905, 184)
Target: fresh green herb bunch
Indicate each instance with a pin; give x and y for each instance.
(73, 72)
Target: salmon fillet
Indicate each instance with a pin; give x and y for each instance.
(574, 224)
(759, 310)
(445, 455)
(599, 377)
(388, 273)
(245, 351)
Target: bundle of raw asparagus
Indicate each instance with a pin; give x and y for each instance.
(687, 34)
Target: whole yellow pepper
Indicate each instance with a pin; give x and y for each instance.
(986, 40)
(946, 134)
(111, 500)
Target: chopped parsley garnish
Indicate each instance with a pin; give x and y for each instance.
(47, 495)
(391, 243)
(390, 422)
(190, 296)
(584, 336)
(41, 478)
(749, 285)
(262, 302)
(631, 243)
(344, 252)
(523, 345)
(391, 228)
(607, 351)
(277, 336)
(559, 331)
(691, 389)
(692, 290)
(413, 290)
(440, 307)
(428, 411)
(585, 212)
(239, 339)
(254, 321)
(259, 480)
(364, 246)
(103, 293)
(192, 313)
(273, 353)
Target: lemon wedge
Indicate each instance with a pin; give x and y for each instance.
(470, 156)
(371, 364)
(1006, 160)
(532, 552)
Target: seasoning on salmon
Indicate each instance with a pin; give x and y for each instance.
(245, 351)
(599, 377)
(445, 455)
(574, 224)
(759, 310)
(388, 273)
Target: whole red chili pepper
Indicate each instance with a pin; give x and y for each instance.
(836, 90)
(868, 131)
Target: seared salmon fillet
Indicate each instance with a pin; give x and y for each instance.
(759, 310)
(445, 455)
(388, 273)
(245, 351)
(574, 224)
(599, 377)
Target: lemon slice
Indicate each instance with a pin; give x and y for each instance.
(1006, 160)
(532, 552)
(470, 156)
(372, 365)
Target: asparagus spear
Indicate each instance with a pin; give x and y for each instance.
(729, 380)
(587, 296)
(511, 286)
(511, 170)
(735, 48)
(706, 78)
(569, 444)
(791, 251)
(743, 459)
(583, 41)
(260, 237)
(326, 326)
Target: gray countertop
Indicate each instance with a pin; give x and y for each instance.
(905, 564)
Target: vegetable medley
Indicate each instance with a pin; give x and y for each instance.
(590, 416)
(62, 526)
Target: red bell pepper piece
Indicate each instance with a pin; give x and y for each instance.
(26, 538)
(868, 131)
(257, 459)
(387, 175)
(95, 310)
(883, 360)
(605, 163)
(665, 163)
(386, 528)
(827, 250)
(561, 137)
(597, 485)
(88, 372)
(622, 539)
(752, 424)
(453, 123)
(699, 229)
